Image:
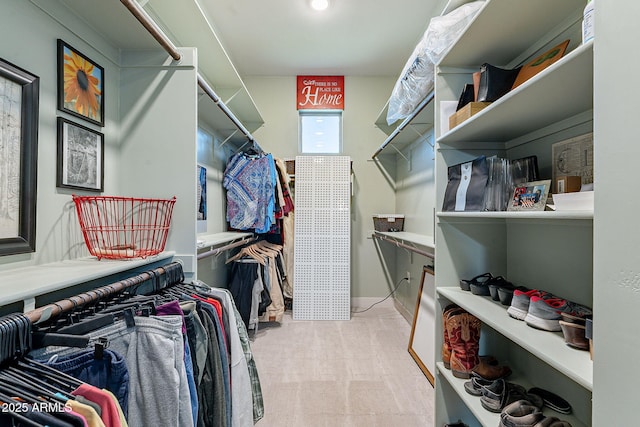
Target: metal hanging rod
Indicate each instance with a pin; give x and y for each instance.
(404, 123)
(152, 28)
(139, 13)
(216, 99)
(218, 251)
(404, 246)
(42, 314)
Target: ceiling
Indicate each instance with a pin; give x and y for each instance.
(288, 38)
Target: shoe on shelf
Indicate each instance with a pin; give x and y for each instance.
(496, 283)
(458, 424)
(574, 335)
(520, 413)
(464, 338)
(505, 295)
(491, 372)
(501, 393)
(475, 384)
(552, 400)
(520, 303)
(546, 313)
(446, 346)
(465, 285)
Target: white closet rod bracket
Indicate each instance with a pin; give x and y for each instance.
(153, 29)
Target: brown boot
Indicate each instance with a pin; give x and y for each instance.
(446, 346)
(464, 339)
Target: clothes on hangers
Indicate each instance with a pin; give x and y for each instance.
(250, 183)
(171, 357)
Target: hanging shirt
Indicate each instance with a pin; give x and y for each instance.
(250, 184)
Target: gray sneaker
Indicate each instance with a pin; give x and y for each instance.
(520, 302)
(520, 413)
(546, 313)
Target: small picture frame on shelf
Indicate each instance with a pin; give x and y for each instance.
(80, 85)
(80, 157)
(530, 196)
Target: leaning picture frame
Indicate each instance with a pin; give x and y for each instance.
(422, 339)
(80, 157)
(80, 85)
(530, 196)
(19, 96)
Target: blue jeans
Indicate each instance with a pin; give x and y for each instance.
(110, 372)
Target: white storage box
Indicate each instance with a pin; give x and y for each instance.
(388, 222)
(579, 201)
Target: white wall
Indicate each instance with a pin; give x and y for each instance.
(364, 99)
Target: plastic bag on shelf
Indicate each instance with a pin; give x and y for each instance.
(416, 78)
(444, 30)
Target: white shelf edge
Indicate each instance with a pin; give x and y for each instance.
(488, 418)
(208, 240)
(546, 215)
(547, 346)
(21, 284)
(405, 236)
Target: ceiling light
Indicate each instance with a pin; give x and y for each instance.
(319, 4)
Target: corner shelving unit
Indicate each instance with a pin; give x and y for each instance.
(549, 250)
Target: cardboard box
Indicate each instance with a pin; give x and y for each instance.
(466, 112)
(567, 184)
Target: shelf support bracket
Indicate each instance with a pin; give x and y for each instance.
(228, 138)
(421, 135)
(400, 152)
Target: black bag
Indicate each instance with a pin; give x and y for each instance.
(467, 96)
(495, 82)
(466, 186)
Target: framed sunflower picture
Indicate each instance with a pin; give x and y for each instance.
(80, 85)
(80, 157)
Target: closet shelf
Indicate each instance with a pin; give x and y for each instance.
(210, 240)
(23, 284)
(549, 347)
(485, 417)
(410, 129)
(536, 215)
(519, 25)
(562, 91)
(409, 241)
(220, 242)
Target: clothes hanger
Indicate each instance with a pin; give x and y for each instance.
(16, 416)
(48, 372)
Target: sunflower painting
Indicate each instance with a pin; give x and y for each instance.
(80, 85)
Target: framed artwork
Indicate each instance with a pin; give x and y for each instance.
(80, 157)
(80, 85)
(530, 196)
(423, 330)
(19, 97)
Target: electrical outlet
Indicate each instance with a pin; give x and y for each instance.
(408, 276)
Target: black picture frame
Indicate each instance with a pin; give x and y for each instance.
(80, 164)
(80, 85)
(19, 93)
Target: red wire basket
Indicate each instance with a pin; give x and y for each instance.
(124, 227)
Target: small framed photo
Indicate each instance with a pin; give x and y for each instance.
(80, 85)
(80, 157)
(530, 196)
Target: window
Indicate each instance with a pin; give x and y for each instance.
(320, 132)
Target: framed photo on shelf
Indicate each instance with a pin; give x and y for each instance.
(80, 157)
(19, 92)
(80, 85)
(530, 196)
